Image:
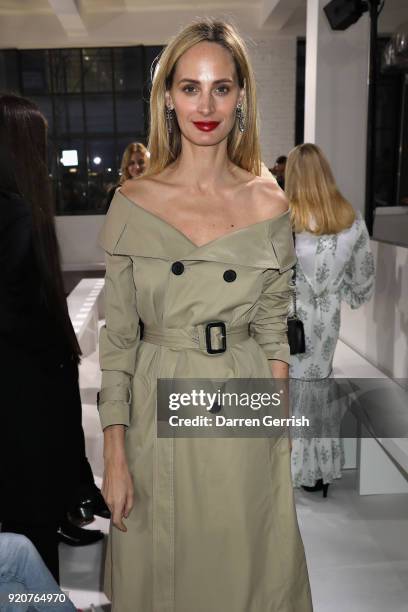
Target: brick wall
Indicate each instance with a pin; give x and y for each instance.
(274, 62)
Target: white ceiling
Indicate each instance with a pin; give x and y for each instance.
(117, 5)
(65, 23)
(48, 23)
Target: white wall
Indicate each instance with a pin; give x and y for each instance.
(77, 237)
(336, 98)
(379, 329)
(274, 63)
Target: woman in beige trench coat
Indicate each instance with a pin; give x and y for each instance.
(198, 524)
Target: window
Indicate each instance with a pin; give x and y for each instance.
(95, 102)
(389, 129)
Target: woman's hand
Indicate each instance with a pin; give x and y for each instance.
(117, 490)
(117, 486)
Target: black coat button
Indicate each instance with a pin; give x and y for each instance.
(177, 268)
(230, 276)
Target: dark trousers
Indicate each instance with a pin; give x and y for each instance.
(44, 539)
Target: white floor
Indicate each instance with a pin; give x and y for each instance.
(356, 546)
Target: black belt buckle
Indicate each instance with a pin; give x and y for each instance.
(208, 329)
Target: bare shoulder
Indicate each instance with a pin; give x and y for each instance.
(138, 189)
(148, 191)
(269, 199)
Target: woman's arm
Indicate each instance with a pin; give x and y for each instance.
(359, 275)
(279, 369)
(118, 344)
(270, 326)
(117, 487)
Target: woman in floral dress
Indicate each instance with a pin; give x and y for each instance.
(334, 264)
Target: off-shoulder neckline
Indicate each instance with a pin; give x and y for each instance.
(183, 235)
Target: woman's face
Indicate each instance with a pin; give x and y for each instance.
(205, 93)
(137, 164)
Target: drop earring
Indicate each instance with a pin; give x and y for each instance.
(169, 119)
(241, 118)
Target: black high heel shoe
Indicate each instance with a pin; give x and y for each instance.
(319, 486)
(82, 512)
(88, 503)
(71, 534)
(99, 505)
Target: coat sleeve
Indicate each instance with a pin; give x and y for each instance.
(269, 326)
(359, 274)
(119, 337)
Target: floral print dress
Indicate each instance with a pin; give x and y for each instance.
(330, 268)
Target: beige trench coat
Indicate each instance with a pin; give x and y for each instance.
(213, 527)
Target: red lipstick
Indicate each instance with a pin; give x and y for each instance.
(206, 126)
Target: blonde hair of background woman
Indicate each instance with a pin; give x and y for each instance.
(317, 206)
(133, 147)
(243, 149)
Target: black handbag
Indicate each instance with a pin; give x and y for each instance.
(296, 331)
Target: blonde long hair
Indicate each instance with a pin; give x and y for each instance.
(317, 206)
(133, 147)
(243, 149)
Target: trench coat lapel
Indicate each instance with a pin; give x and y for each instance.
(134, 231)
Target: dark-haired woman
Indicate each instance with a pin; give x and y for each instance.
(42, 443)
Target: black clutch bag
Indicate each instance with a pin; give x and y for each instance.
(296, 335)
(296, 331)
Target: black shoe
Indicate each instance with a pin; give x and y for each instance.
(75, 536)
(319, 486)
(82, 513)
(99, 505)
(90, 502)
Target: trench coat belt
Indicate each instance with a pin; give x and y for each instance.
(197, 336)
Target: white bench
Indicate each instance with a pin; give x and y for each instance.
(85, 307)
(382, 463)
